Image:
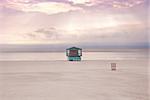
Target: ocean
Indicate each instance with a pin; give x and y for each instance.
(51, 56)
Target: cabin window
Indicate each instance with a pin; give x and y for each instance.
(73, 53)
(79, 52)
(68, 52)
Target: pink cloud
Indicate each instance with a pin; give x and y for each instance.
(111, 3)
(42, 7)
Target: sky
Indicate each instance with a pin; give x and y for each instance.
(86, 22)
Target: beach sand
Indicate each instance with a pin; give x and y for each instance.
(64, 80)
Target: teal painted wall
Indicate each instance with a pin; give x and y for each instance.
(74, 58)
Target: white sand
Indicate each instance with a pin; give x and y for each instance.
(63, 80)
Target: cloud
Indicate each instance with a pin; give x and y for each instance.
(44, 34)
(21, 1)
(80, 1)
(58, 6)
(125, 34)
(49, 35)
(109, 3)
(43, 7)
(93, 24)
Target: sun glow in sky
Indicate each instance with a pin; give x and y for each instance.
(73, 21)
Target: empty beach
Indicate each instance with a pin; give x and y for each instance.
(71, 80)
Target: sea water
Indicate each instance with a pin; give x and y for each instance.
(50, 56)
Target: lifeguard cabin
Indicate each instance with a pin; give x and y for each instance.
(74, 54)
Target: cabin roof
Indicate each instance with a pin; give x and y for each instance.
(74, 48)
